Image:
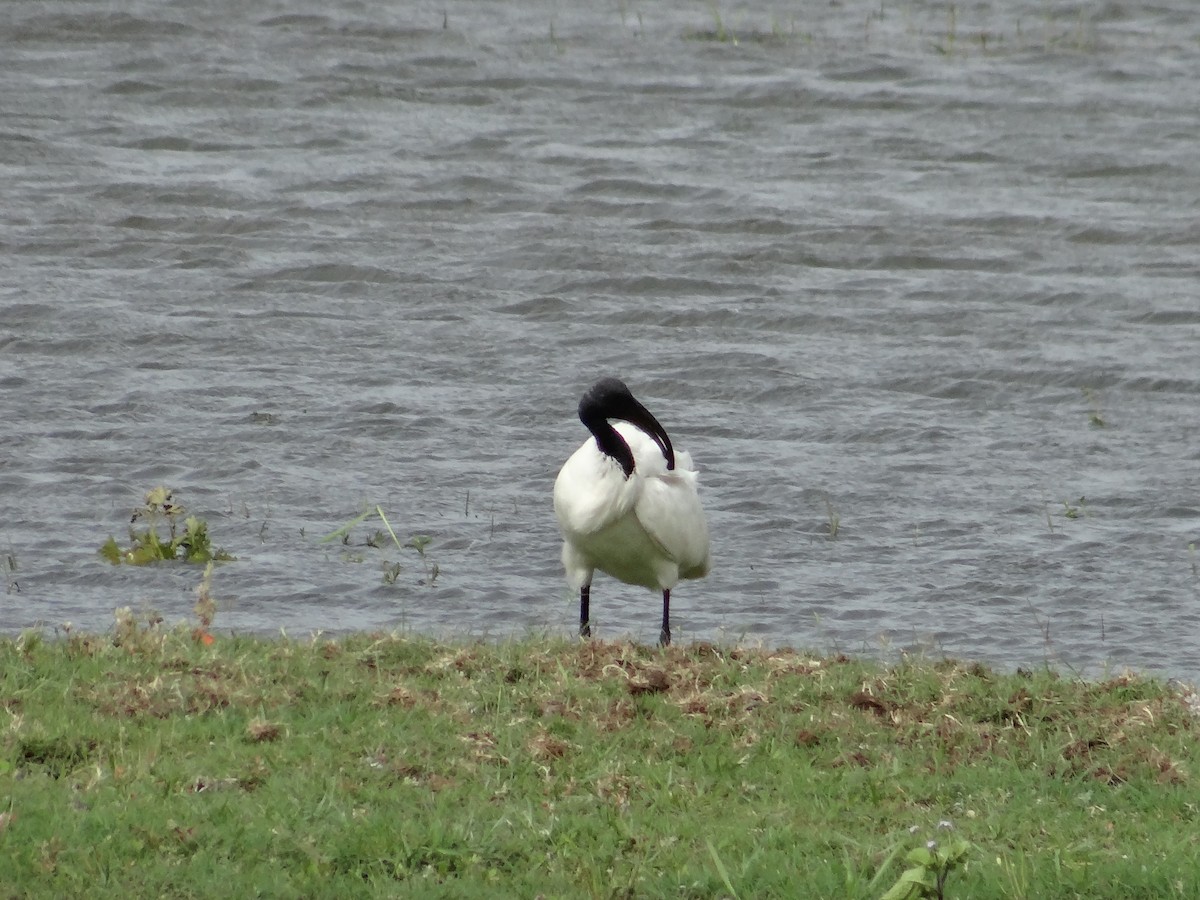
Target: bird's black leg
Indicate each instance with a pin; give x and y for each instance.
(585, 595)
(664, 637)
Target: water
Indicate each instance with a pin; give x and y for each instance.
(868, 264)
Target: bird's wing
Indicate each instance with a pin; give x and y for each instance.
(669, 510)
(668, 507)
(591, 492)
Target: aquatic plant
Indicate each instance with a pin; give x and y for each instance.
(191, 543)
(719, 33)
(12, 586)
(946, 46)
(391, 570)
(833, 520)
(1095, 414)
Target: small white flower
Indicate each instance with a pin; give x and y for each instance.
(931, 845)
(945, 825)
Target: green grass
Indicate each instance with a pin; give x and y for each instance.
(154, 764)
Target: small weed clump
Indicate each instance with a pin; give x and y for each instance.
(929, 867)
(378, 539)
(190, 543)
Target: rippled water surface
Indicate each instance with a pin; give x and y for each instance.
(930, 280)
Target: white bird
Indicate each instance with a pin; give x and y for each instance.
(627, 505)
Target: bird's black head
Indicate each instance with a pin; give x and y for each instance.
(609, 398)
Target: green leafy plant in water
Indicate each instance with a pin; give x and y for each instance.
(929, 867)
(190, 543)
(391, 571)
(419, 542)
(947, 46)
(1075, 511)
(719, 32)
(1095, 412)
(834, 520)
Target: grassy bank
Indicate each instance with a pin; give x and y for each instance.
(159, 764)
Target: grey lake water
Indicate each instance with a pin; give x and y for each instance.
(917, 285)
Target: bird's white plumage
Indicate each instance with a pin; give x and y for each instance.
(647, 529)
